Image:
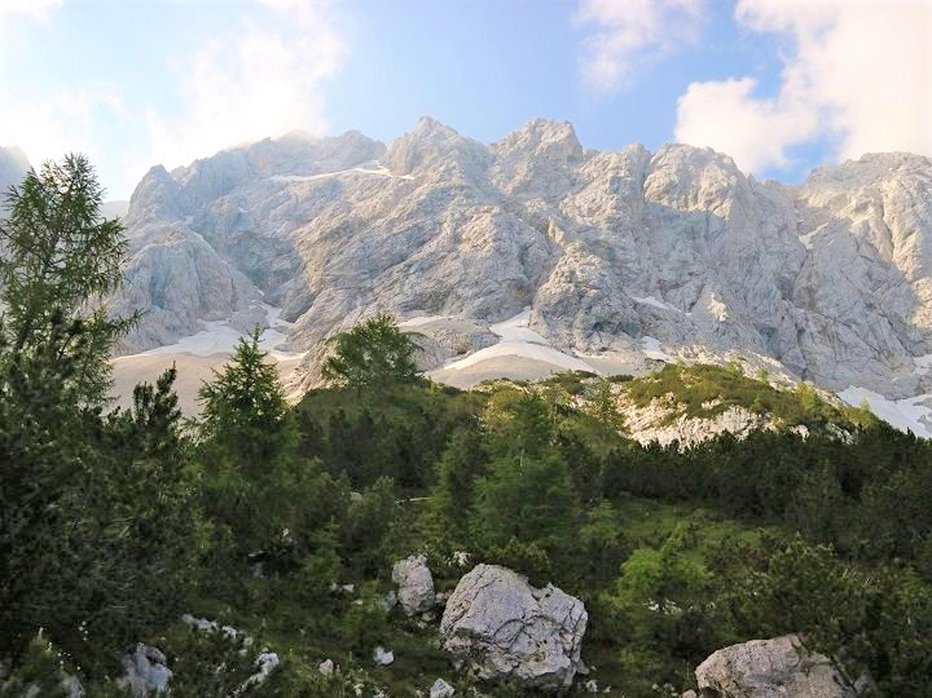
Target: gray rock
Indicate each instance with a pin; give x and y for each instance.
(266, 663)
(415, 584)
(326, 667)
(777, 668)
(383, 656)
(146, 671)
(503, 629)
(441, 689)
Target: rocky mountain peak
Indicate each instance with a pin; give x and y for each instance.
(621, 251)
(155, 197)
(430, 142)
(554, 141)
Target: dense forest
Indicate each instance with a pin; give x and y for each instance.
(283, 521)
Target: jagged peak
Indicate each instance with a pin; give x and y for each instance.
(541, 137)
(429, 141)
(869, 168)
(694, 156)
(428, 126)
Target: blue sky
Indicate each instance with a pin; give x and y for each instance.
(781, 85)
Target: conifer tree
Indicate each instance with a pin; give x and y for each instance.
(372, 355)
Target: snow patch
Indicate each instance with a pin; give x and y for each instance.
(219, 337)
(376, 169)
(518, 340)
(912, 414)
(651, 348)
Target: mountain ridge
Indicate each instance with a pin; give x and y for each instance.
(610, 250)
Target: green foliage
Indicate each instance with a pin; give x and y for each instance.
(96, 516)
(372, 355)
(878, 622)
(40, 672)
(527, 558)
(529, 498)
(602, 545)
(602, 405)
(245, 415)
(246, 443)
(453, 496)
(401, 435)
(59, 253)
(368, 527)
(705, 391)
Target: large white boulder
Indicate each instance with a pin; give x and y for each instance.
(415, 584)
(777, 668)
(504, 629)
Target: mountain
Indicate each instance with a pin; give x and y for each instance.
(13, 167)
(536, 246)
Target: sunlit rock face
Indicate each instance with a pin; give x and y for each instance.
(607, 249)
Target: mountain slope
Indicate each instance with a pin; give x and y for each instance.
(616, 254)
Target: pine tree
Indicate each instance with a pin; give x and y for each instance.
(246, 443)
(60, 256)
(244, 408)
(372, 355)
(94, 512)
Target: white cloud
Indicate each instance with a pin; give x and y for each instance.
(35, 9)
(755, 132)
(46, 121)
(263, 80)
(626, 32)
(859, 72)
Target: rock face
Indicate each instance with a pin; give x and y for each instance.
(146, 672)
(776, 668)
(415, 584)
(609, 250)
(504, 629)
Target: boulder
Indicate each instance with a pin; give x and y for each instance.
(441, 689)
(415, 584)
(777, 668)
(504, 629)
(266, 663)
(146, 672)
(382, 656)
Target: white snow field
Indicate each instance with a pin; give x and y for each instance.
(912, 414)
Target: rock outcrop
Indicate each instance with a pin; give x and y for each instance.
(777, 668)
(441, 689)
(415, 584)
(503, 629)
(146, 672)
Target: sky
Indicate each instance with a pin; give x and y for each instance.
(780, 85)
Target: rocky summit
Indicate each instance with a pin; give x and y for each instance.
(629, 253)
